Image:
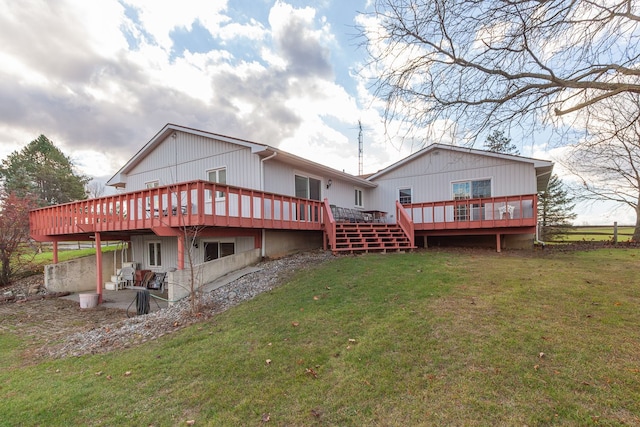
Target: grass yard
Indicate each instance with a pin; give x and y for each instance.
(470, 338)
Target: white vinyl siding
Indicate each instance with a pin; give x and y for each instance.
(187, 156)
(430, 177)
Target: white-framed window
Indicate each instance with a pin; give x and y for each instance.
(471, 189)
(219, 176)
(149, 185)
(358, 201)
(215, 250)
(154, 252)
(307, 187)
(405, 196)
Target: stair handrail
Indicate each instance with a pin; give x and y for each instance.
(329, 224)
(405, 223)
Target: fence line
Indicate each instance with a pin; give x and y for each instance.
(609, 230)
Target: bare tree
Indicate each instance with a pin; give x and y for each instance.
(95, 189)
(607, 162)
(14, 235)
(473, 65)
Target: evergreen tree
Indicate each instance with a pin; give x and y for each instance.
(555, 209)
(499, 143)
(42, 171)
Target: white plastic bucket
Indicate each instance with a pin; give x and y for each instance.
(88, 300)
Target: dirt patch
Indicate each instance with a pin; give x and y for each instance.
(57, 328)
(45, 323)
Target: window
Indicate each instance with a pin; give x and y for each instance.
(404, 196)
(155, 254)
(152, 184)
(471, 189)
(219, 176)
(215, 250)
(307, 188)
(358, 200)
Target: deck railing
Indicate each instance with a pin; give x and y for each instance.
(405, 222)
(494, 212)
(193, 203)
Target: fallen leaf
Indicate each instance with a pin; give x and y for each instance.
(127, 374)
(536, 367)
(352, 340)
(316, 298)
(295, 324)
(98, 373)
(108, 377)
(311, 372)
(617, 303)
(268, 361)
(316, 413)
(191, 422)
(541, 355)
(266, 418)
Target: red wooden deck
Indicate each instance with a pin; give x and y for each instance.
(505, 215)
(163, 210)
(190, 204)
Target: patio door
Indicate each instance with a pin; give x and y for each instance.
(472, 189)
(307, 188)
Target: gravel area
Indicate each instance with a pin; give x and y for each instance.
(114, 332)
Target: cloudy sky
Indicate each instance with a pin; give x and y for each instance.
(101, 78)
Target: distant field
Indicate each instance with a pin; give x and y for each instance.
(596, 234)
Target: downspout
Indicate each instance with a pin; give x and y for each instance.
(275, 153)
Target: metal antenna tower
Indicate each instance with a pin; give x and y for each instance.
(360, 150)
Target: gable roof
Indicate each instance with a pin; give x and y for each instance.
(118, 180)
(543, 167)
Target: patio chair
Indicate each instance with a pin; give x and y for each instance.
(126, 276)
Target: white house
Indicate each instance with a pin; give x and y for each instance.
(195, 195)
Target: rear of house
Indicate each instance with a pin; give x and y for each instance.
(198, 196)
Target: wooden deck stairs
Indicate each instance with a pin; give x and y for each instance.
(370, 237)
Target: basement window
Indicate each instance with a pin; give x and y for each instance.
(215, 250)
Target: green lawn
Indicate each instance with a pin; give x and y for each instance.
(470, 338)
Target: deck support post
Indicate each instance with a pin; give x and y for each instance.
(99, 268)
(257, 240)
(55, 252)
(498, 242)
(180, 252)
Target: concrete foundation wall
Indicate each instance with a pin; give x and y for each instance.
(519, 241)
(79, 274)
(179, 281)
(279, 243)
